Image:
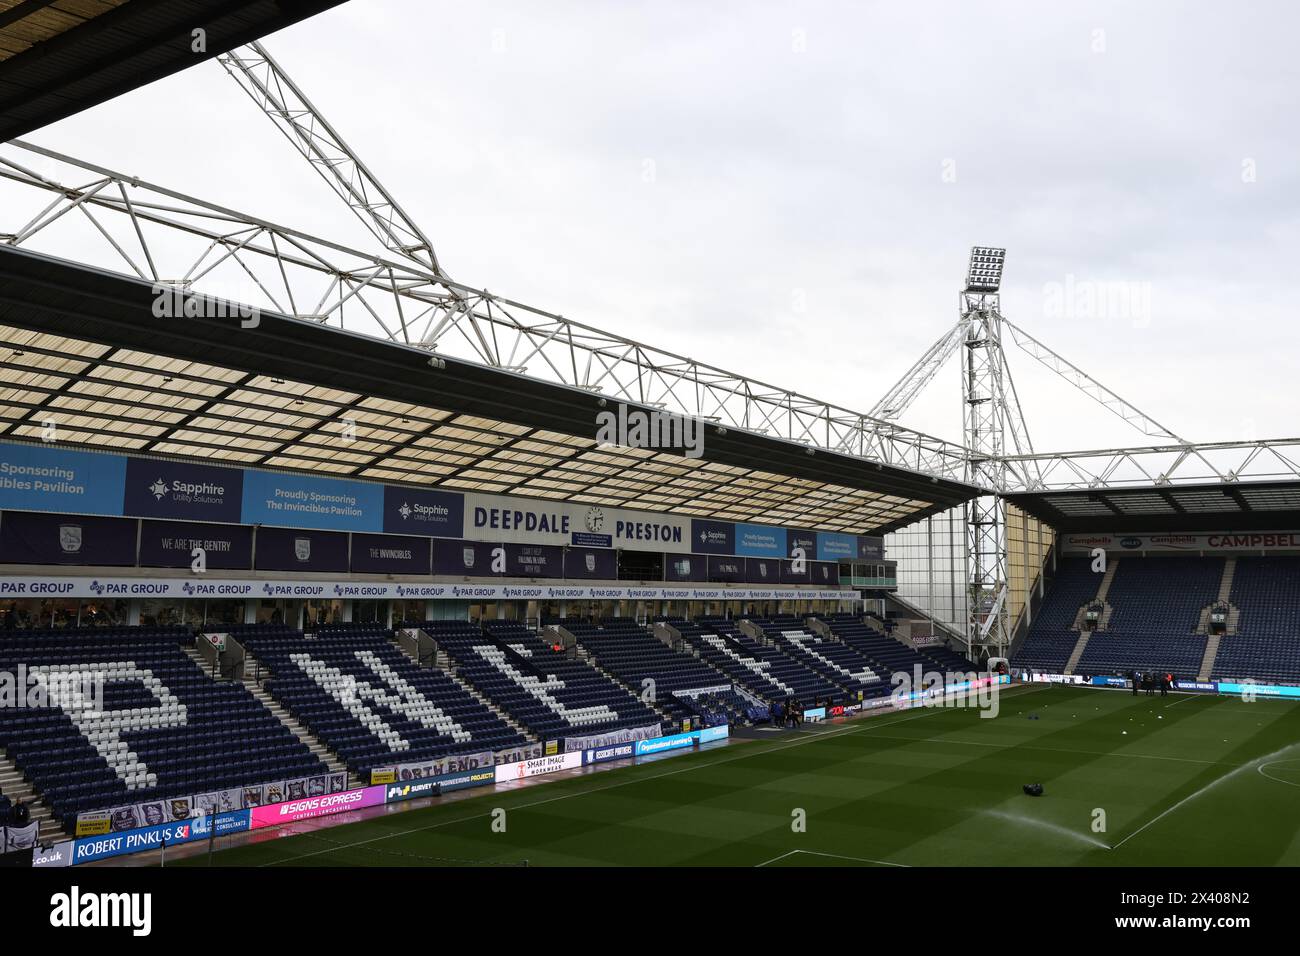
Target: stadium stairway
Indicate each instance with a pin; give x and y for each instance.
(1080, 646)
(318, 749)
(488, 702)
(1207, 662)
(13, 786)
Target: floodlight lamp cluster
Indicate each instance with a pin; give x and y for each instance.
(985, 273)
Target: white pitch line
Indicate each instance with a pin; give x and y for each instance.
(925, 712)
(835, 856)
(1209, 786)
(1053, 750)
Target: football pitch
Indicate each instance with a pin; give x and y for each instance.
(1129, 781)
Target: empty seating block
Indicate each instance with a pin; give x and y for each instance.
(371, 704)
(1266, 645)
(760, 668)
(545, 691)
(890, 656)
(634, 655)
(1155, 604)
(834, 660)
(1051, 637)
(167, 730)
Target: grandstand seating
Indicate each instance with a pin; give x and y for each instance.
(167, 729)
(1156, 603)
(368, 702)
(545, 691)
(633, 655)
(762, 669)
(889, 656)
(1266, 645)
(1051, 638)
(838, 662)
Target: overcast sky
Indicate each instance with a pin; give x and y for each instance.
(790, 190)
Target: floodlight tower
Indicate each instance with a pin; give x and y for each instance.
(988, 416)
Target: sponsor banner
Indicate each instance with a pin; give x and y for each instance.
(659, 745)
(31, 538)
(526, 521)
(626, 735)
(762, 571)
(760, 541)
(292, 549)
(475, 559)
(390, 554)
(70, 586)
(424, 769)
(611, 752)
(709, 734)
(178, 489)
(436, 786)
(420, 511)
(171, 544)
(414, 790)
(306, 501)
(1214, 541)
(294, 810)
(1109, 682)
(805, 541)
(598, 563)
(814, 714)
(712, 537)
(60, 854)
(871, 548)
(1058, 678)
(534, 561)
(44, 478)
(234, 821)
(483, 777)
(836, 547)
(723, 570)
(537, 766)
(1259, 690)
(1197, 686)
(89, 849)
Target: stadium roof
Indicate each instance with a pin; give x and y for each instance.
(1222, 506)
(58, 57)
(83, 346)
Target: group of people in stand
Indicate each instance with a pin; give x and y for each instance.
(1151, 682)
(787, 714)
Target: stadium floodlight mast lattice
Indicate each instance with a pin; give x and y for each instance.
(1001, 455)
